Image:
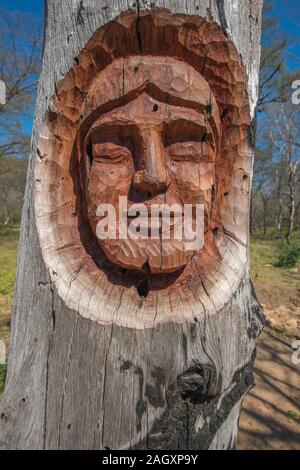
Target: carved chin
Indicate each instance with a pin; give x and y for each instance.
(156, 256)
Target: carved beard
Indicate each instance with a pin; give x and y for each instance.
(158, 255)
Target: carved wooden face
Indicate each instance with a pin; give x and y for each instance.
(153, 153)
(168, 125)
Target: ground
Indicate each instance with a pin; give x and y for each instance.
(271, 413)
(270, 419)
(277, 289)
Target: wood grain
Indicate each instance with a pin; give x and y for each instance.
(75, 383)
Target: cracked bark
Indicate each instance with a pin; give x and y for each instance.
(88, 386)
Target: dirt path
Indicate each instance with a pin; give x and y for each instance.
(270, 418)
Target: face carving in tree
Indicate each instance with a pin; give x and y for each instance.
(162, 122)
(157, 148)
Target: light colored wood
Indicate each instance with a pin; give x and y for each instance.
(124, 381)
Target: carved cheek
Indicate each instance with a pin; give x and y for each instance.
(207, 182)
(108, 182)
(192, 181)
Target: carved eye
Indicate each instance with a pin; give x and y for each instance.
(185, 152)
(103, 153)
(185, 158)
(116, 158)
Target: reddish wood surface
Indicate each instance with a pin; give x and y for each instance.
(170, 124)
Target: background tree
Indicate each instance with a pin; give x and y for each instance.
(275, 77)
(285, 125)
(275, 198)
(20, 53)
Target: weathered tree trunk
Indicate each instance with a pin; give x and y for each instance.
(82, 383)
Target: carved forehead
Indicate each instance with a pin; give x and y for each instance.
(166, 79)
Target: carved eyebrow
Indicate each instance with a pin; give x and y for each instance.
(122, 121)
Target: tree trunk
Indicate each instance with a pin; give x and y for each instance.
(279, 179)
(143, 376)
(292, 200)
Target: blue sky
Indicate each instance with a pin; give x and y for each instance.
(34, 6)
(287, 11)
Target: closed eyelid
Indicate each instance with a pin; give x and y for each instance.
(193, 152)
(109, 153)
(181, 130)
(109, 149)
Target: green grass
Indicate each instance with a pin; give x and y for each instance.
(264, 255)
(293, 415)
(2, 377)
(9, 238)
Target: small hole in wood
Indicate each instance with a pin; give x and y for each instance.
(216, 232)
(155, 108)
(149, 194)
(204, 137)
(146, 268)
(143, 288)
(76, 60)
(226, 194)
(136, 69)
(213, 194)
(225, 113)
(89, 153)
(52, 116)
(245, 177)
(208, 109)
(69, 426)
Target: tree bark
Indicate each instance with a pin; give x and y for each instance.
(73, 383)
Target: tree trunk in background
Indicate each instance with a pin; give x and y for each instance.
(292, 197)
(279, 217)
(75, 384)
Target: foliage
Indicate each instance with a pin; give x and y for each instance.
(12, 181)
(289, 255)
(20, 51)
(2, 377)
(276, 188)
(275, 78)
(8, 249)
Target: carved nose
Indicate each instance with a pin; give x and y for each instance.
(152, 179)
